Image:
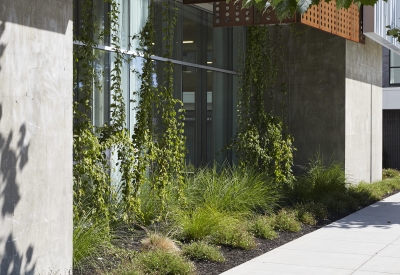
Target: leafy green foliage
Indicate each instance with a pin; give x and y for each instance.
(395, 32)
(261, 227)
(260, 142)
(285, 220)
(218, 227)
(390, 173)
(161, 150)
(90, 169)
(202, 251)
(305, 216)
(159, 262)
(233, 232)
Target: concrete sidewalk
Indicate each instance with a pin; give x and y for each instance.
(364, 243)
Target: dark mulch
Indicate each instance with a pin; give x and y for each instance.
(235, 256)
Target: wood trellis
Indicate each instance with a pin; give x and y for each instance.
(325, 16)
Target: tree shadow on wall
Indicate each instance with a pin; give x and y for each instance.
(12, 161)
(2, 46)
(11, 262)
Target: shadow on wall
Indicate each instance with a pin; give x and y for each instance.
(11, 262)
(2, 46)
(53, 17)
(10, 161)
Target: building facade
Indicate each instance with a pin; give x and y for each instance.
(205, 72)
(334, 106)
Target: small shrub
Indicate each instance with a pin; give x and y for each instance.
(202, 251)
(305, 216)
(317, 209)
(159, 262)
(390, 173)
(262, 228)
(158, 242)
(234, 236)
(286, 220)
(221, 228)
(198, 224)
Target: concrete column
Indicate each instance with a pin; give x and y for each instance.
(363, 160)
(35, 137)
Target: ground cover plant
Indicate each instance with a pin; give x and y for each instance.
(205, 232)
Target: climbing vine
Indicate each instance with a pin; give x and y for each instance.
(162, 147)
(91, 179)
(260, 142)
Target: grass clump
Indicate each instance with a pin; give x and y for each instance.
(231, 190)
(285, 220)
(202, 251)
(261, 227)
(160, 262)
(318, 180)
(90, 235)
(199, 223)
(218, 227)
(158, 242)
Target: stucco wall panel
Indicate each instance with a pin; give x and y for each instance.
(35, 137)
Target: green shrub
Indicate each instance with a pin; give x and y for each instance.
(285, 220)
(317, 209)
(89, 237)
(231, 190)
(261, 227)
(318, 181)
(160, 262)
(199, 223)
(219, 227)
(233, 235)
(336, 202)
(304, 215)
(202, 251)
(390, 173)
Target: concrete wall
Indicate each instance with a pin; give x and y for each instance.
(315, 77)
(363, 160)
(334, 100)
(35, 137)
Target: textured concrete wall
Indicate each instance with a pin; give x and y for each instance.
(334, 100)
(35, 136)
(315, 77)
(385, 67)
(363, 161)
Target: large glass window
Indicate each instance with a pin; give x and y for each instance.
(204, 79)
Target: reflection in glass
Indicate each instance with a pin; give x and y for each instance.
(394, 59)
(395, 76)
(101, 94)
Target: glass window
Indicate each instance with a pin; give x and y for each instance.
(101, 94)
(209, 95)
(394, 68)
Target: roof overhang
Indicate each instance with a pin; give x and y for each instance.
(375, 20)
